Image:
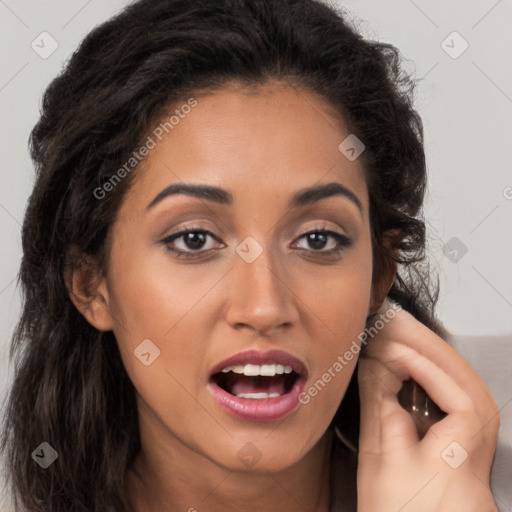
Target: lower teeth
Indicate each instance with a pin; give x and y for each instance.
(258, 396)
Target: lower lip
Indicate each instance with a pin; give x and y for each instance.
(252, 409)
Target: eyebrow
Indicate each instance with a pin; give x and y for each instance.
(218, 195)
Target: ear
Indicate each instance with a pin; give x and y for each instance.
(88, 290)
(385, 275)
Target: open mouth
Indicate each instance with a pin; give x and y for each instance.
(257, 382)
(258, 386)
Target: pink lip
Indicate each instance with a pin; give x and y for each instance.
(268, 409)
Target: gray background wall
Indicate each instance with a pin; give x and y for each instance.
(465, 100)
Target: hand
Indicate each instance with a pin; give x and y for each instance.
(397, 470)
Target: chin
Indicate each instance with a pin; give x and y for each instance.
(264, 452)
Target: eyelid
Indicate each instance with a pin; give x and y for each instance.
(320, 227)
(167, 239)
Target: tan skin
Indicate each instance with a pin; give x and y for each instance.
(262, 146)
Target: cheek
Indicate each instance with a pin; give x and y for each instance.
(341, 305)
(340, 296)
(160, 307)
(150, 300)
(151, 296)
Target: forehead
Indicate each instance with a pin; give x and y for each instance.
(266, 140)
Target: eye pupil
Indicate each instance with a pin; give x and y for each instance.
(195, 239)
(317, 240)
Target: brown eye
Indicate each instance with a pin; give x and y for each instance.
(194, 240)
(189, 242)
(318, 241)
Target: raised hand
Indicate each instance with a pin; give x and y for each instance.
(446, 470)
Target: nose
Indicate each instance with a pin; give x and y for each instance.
(261, 297)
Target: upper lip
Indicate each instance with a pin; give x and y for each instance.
(259, 358)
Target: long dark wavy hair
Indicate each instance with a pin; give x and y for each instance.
(70, 387)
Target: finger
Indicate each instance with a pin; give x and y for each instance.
(408, 331)
(385, 425)
(465, 420)
(404, 362)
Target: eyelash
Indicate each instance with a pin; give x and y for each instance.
(343, 242)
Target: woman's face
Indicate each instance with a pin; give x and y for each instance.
(246, 279)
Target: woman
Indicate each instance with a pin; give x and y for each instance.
(224, 275)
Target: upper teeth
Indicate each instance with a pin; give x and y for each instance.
(251, 370)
